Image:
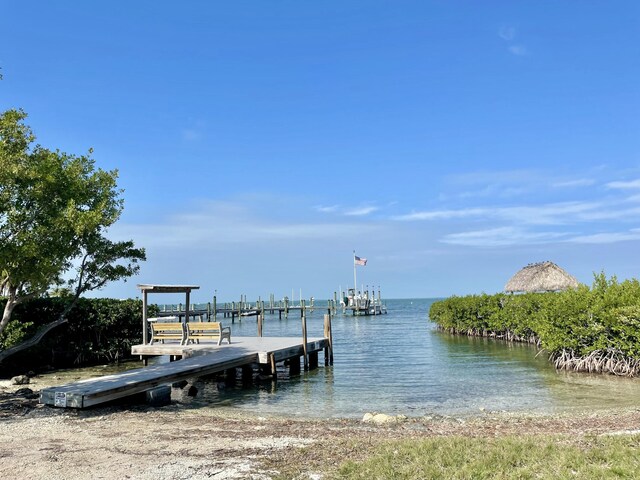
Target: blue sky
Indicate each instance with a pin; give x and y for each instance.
(260, 142)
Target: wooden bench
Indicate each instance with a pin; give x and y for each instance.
(161, 331)
(207, 330)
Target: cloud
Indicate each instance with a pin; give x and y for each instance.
(608, 237)
(501, 236)
(191, 135)
(579, 182)
(546, 214)
(218, 224)
(327, 209)
(444, 214)
(507, 33)
(194, 131)
(361, 211)
(518, 50)
(632, 184)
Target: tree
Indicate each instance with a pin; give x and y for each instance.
(54, 211)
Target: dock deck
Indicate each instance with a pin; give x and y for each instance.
(197, 360)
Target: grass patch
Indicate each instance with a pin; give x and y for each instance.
(531, 457)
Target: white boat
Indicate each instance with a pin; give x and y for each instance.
(362, 303)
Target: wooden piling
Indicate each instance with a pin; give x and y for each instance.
(260, 319)
(304, 340)
(294, 366)
(313, 360)
(272, 363)
(328, 334)
(145, 327)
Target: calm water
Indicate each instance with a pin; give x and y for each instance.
(399, 363)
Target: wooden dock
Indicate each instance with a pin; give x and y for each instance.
(197, 360)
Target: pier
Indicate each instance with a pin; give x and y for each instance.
(197, 360)
(194, 359)
(237, 310)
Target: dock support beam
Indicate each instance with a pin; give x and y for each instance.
(294, 366)
(272, 363)
(304, 338)
(328, 334)
(144, 317)
(313, 360)
(247, 375)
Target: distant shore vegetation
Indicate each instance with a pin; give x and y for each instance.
(587, 329)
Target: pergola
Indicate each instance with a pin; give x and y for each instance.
(146, 289)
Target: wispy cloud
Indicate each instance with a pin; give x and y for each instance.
(194, 131)
(502, 236)
(227, 223)
(444, 214)
(624, 185)
(518, 50)
(357, 211)
(578, 182)
(546, 214)
(327, 209)
(191, 135)
(361, 211)
(507, 33)
(607, 237)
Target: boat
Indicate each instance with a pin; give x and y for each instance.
(361, 302)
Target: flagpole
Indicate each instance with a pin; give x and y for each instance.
(355, 283)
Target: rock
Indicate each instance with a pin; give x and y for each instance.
(382, 418)
(181, 384)
(367, 417)
(20, 380)
(24, 392)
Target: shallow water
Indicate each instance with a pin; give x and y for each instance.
(399, 363)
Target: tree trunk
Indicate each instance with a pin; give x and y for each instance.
(8, 310)
(62, 319)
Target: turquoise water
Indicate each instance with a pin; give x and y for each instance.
(400, 364)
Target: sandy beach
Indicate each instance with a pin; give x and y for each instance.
(174, 442)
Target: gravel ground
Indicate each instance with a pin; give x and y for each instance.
(174, 442)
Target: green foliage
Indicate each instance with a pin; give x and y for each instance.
(498, 458)
(604, 317)
(54, 210)
(98, 330)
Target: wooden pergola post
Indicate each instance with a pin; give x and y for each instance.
(144, 317)
(146, 289)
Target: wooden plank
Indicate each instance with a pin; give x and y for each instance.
(93, 391)
(199, 360)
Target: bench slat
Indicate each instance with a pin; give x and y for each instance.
(207, 330)
(161, 331)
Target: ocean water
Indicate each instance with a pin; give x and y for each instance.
(400, 363)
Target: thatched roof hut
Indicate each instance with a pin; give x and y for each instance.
(541, 277)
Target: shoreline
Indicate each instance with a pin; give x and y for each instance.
(178, 441)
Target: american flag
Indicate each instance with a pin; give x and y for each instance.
(359, 261)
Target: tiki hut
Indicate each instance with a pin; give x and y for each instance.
(541, 277)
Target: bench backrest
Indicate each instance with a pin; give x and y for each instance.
(209, 327)
(166, 326)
